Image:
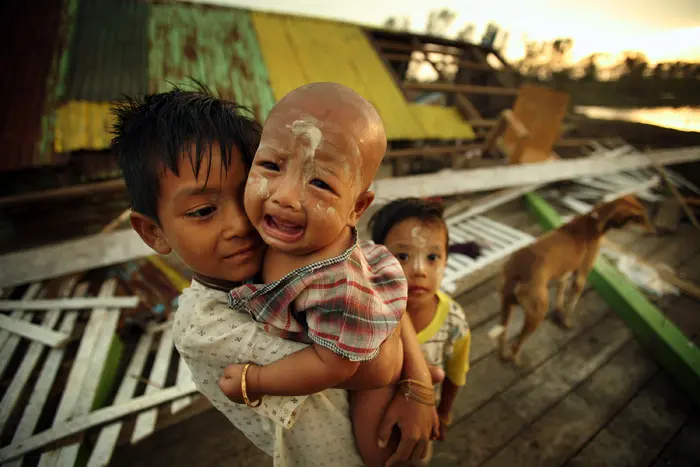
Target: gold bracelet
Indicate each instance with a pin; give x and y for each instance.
(417, 391)
(244, 388)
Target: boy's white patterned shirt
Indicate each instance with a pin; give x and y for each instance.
(311, 430)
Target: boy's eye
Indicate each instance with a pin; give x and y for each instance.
(269, 166)
(202, 212)
(320, 184)
(402, 256)
(433, 257)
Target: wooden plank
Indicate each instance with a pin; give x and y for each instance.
(465, 64)
(107, 439)
(489, 202)
(63, 193)
(95, 419)
(477, 438)
(146, 421)
(86, 253)
(450, 182)
(40, 334)
(672, 187)
(81, 387)
(675, 352)
(42, 387)
(639, 432)
(420, 47)
(465, 88)
(30, 359)
(430, 150)
(682, 450)
(560, 433)
(490, 376)
(10, 341)
(70, 303)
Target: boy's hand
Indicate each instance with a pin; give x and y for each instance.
(230, 383)
(443, 424)
(416, 422)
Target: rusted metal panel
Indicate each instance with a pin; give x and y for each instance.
(109, 51)
(214, 45)
(29, 32)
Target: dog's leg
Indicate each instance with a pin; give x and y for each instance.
(580, 277)
(562, 288)
(508, 302)
(535, 306)
(577, 289)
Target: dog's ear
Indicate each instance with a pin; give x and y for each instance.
(621, 211)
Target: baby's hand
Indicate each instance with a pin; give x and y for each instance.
(230, 383)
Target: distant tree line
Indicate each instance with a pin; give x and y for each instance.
(599, 79)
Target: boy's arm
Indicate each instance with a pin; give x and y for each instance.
(385, 367)
(456, 377)
(308, 371)
(414, 364)
(449, 393)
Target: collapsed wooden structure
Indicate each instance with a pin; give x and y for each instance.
(78, 383)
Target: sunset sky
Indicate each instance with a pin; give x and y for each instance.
(670, 32)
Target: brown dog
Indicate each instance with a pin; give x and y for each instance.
(568, 251)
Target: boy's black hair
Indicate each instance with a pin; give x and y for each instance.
(389, 215)
(151, 134)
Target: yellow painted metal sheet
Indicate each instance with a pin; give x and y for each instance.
(441, 122)
(83, 125)
(298, 51)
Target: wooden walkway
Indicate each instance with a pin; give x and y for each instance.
(588, 396)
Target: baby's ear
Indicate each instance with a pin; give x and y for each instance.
(150, 232)
(361, 205)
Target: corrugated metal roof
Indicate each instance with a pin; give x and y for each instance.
(214, 45)
(302, 50)
(231, 51)
(109, 51)
(29, 33)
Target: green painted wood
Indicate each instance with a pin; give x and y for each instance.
(215, 46)
(667, 344)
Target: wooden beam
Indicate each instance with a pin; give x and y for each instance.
(452, 182)
(466, 108)
(79, 255)
(392, 72)
(573, 142)
(506, 76)
(94, 419)
(674, 351)
(430, 150)
(465, 88)
(481, 123)
(70, 303)
(466, 64)
(63, 193)
(677, 194)
(33, 332)
(456, 212)
(427, 47)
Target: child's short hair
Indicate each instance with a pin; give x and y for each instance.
(389, 215)
(152, 132)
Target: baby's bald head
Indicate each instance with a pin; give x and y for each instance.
(336, 110)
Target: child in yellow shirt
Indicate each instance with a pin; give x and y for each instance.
(415, 232)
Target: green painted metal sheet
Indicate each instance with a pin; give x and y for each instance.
(109, 51)
(216, 46)
(667, 344)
